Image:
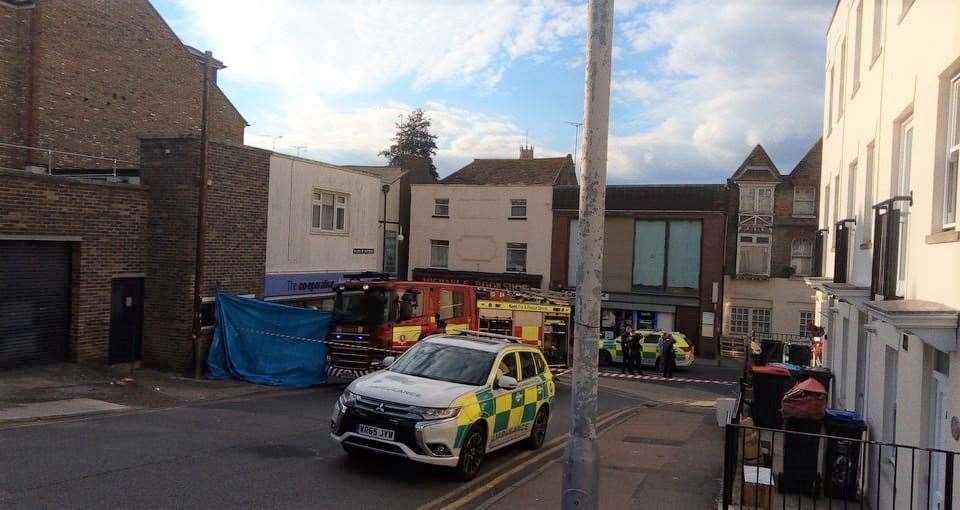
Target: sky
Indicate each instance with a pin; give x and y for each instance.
(696, 83)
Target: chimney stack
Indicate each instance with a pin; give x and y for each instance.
(526, 152)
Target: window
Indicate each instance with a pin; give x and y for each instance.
(573, 256)
(518, 208)
(851, 189)
(953, 156)
(866, 222)
(801, 256)
(830, 105)
(902, 188)
(827, 205)
(666, 254)
(835, 209)
(330, 212)
(805, 201)
(753, 255)
(756, 199)
(877, 27)
(528, 365)
(806, 319)
(516, 257)
(451, 304)
(843, 75)
(441, 207)
(508, 366)
(856, 49)
(439, 253)
(410, 303)
(747, 321)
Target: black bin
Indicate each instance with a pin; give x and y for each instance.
(800, 457)
(799, 354)
(842, 461)
(769, 385)
(771, 351)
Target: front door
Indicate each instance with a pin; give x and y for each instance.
(938, 469)
(861, 397)
(126, 320)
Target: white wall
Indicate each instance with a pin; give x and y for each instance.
(785, 297)
(292, 246)
(478, 228)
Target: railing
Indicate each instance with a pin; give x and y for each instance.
(755, 222)
(772, 468)
(50, 153)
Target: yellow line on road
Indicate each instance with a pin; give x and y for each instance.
(478, 488)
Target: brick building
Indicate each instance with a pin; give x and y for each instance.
(94, 77)
(660, 265)
(771, 245)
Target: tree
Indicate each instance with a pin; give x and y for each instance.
(413, 139)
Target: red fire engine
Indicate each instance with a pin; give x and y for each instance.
(373, 317)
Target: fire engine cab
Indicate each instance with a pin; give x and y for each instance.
(372, 319)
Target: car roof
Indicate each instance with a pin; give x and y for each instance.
(479, 343)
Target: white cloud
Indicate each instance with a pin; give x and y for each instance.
(726, 76)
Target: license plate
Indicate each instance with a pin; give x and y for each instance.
(375, 432)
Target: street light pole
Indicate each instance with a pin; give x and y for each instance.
(580, 468)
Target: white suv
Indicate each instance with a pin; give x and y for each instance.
(449, 400)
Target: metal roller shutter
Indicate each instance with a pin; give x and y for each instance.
(34, 302)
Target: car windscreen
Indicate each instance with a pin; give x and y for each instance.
(446, 363)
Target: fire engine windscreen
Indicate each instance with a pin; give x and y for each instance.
(362, 307)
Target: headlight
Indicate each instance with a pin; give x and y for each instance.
(436, 413)
(347, 398)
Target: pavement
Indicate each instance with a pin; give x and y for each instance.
(67, 389)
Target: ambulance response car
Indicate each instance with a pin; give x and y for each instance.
(611, 351)
(449, 400)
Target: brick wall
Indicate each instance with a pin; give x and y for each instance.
(109, 72)
(14, 76)
(235, 243)
(110, 219)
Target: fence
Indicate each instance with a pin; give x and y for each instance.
(791, 469)
(26, 155)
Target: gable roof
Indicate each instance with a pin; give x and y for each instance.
(811, 161)
(388, 174)
(530, 172)
(757, 167)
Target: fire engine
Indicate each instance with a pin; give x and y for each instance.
(372, 319)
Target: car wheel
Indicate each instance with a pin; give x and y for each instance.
(472, 453)
(538, 431)
(605, 359)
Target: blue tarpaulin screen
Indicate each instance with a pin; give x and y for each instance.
(268, 343)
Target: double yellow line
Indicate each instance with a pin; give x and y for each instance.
(472, 493)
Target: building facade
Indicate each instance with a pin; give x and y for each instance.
(892, 254)
(92, 78)
(771, 240)
(489, 223)
(663, 258)
(323, 223)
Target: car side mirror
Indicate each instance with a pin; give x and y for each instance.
(505, 382)
(386, 362)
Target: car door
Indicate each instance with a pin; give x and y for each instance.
(508, 413)
(651, 343)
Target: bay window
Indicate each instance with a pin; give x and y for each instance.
(756, 199)
(801, 257)
(753, 255)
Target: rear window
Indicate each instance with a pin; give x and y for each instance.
(528, 364)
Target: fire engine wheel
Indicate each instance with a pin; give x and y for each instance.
(538, 431)
(472, 453)
(605, 359)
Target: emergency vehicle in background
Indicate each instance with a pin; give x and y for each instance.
(372, 319)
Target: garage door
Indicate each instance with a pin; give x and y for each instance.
(34, 302)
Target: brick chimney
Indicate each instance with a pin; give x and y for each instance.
(526, 152)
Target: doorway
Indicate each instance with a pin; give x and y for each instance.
(938, 418)
(126, 320)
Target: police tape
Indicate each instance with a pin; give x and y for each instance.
(660, 378)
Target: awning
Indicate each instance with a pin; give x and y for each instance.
(938, 325)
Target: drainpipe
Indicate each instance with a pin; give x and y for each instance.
(580, 466)
(201, 217)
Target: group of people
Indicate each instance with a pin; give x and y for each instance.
(632, 348)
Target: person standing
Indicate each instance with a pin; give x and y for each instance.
(626, 348)
(636, 347)
(668, 358)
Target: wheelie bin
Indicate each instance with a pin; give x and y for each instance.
(842, 461)
(799, 354)
(769, 385)
(803, 409)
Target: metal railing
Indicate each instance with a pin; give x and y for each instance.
(772, 468)
(52, 152)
